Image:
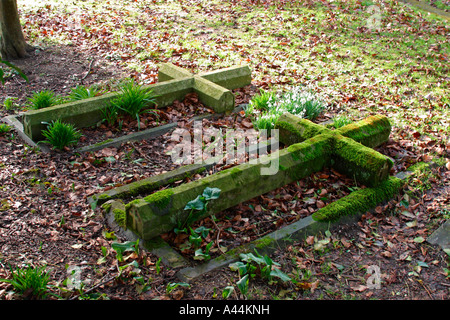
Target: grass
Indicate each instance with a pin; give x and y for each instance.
(61, 135)
(81, 92)
(43, 99)
(29, 282)
(132, 100)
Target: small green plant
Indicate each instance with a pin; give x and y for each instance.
(81, 92)
(9, 104)
(260, 101)
(134, 100)
(43, 99)
(173, 285)
(227, 292)
(341, 121)
(110, 114)
(120, 248)
(265, 109)
(30, 282)
(203, 255)
(252, 265)
(61, 135)
(199, 204)
(4, 128)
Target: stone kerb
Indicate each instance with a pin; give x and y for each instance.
(319, 147)
(174, 83)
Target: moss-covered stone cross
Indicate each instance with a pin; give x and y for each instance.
(213, 88)
(311, 148)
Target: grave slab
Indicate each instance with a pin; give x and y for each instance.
(174, 84)
(163, 210)
(317, 146)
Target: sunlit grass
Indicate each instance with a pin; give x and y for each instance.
(324, 46)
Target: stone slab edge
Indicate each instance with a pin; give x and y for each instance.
(14, 121)
(266, 245)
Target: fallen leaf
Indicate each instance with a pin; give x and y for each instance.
(345, 243)
(359, 288)
(310, 240)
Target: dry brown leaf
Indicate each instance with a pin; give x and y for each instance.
(359, 288)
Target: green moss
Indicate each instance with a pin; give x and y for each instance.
(106, 206)
(103, 142)
(160, 198)
(312, 148)
(263, 242)
(370, 132)
(131, 203)
(120, 216)
(419, 167)
(294, 129)
(359, 201)
(360, 155)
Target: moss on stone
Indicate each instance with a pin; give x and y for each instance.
(370, 132)
(293, 129)
(160, 198)
(359, 201)
(312, 148)
(98, 144)
(106, 206)
(120, 216)
(366, 165)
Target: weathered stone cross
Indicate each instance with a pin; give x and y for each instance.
(174, 83)
(311, 148)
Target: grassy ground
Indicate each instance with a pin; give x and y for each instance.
(361, 57)
(333, 48)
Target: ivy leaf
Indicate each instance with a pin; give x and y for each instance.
(279, 274)
(239, 266)
(196, 204)
(243, 284)
(211, 193)
(203, 231)
(226, 293)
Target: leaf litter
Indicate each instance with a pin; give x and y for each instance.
(44, 216)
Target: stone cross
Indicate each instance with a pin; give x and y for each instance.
(174, 83)
(311, 148)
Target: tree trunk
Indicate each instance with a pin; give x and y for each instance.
(12, 41)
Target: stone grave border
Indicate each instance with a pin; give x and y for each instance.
(347, 209)
(267, 244)
(213, 88)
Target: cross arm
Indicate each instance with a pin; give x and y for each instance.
(348, 155)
